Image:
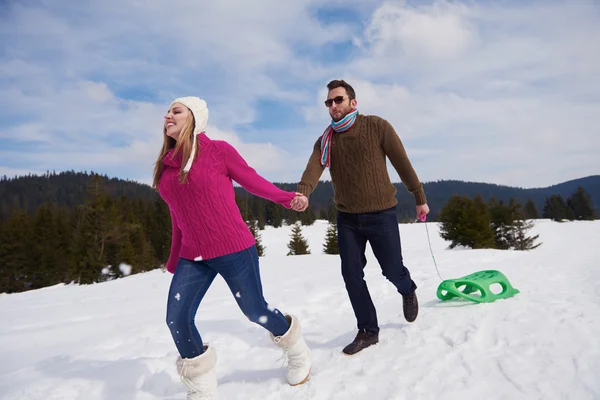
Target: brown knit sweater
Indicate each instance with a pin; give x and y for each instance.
(358, 167)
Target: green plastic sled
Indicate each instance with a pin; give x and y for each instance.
(479, 281)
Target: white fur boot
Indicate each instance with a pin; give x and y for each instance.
(198, 374)
(295, 349)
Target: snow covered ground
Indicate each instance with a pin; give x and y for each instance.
(109, 341)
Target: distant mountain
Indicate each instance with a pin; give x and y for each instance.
(591, 184)
(65, 188)
(439, 192)
(69, 188)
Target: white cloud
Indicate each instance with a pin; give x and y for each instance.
(478, 91)
(505, 94)
(265, 157)
(98, 92)
(437, 32)
(71, 74)
(88, 128)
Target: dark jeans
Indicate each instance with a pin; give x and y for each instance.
(380, 228)
(190, 283)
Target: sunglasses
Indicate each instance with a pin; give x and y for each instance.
(338, 100)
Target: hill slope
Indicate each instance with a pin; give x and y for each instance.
(110, 340)
(69, 188)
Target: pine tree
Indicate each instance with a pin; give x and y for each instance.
(242, 205)
(292, 217)
(510, 229)
(145, 259)
(260, 216)
(158, 228)
(324, 213)
(44, 248)
(253, 226)
(580, 204)
(520, 240)
(307, 217)
(15, 244)
(297, 244)
(333, 213)
(64, 244)
(99, 225)
(86, 247)
(466, 222)
(273, 215)
(331, 240)
(126, 252)
(503, 218)
(556, 209)
(530, 210)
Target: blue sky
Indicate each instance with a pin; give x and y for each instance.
(503, 92)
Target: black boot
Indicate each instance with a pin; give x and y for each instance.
(410, 306)
(362, 340)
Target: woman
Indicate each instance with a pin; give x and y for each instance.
(194, 174)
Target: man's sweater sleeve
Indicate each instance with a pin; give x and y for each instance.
(394, 150)
(313, 171)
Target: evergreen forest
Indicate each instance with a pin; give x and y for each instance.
(84, 227)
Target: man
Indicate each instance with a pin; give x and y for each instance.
(355, 148)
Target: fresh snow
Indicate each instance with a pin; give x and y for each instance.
(125, 269)
(110, 341)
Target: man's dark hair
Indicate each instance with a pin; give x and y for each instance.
(336, 83)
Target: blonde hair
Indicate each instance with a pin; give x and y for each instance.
(184, 144)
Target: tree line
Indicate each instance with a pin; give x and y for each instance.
(474, 223)
(107, 236)
(69, 188)
(84, 243)
(578, 206)
(101, 229)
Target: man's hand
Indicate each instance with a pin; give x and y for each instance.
(300, 202)
(422, 211)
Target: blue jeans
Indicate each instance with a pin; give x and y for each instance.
(380, 228)
(191, 282)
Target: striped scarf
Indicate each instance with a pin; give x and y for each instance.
(341, 126)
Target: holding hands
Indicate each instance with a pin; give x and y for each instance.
(300, 202)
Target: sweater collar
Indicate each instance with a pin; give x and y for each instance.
(176, 161)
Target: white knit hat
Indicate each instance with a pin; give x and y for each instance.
(200, 111)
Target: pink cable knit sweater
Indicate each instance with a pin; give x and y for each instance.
(206, 220)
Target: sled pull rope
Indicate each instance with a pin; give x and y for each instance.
(423, 217)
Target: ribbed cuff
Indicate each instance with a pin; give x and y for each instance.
(288, 200)
(304, 189)
(420, 197)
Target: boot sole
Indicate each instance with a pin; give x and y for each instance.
(304, 380)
